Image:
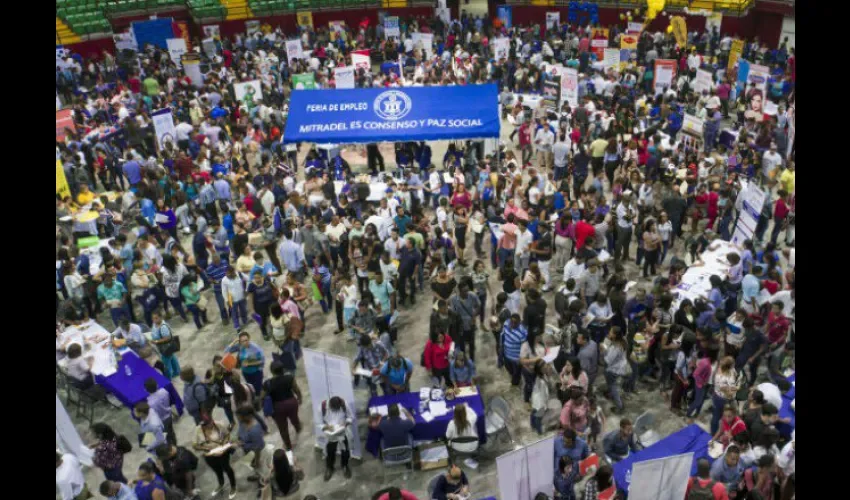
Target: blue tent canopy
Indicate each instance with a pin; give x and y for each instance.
(348, 116)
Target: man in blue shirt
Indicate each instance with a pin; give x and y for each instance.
(251, 360)
(395, 431)
(409, 260)
(514, 334)
(729, 469)
(401, 221)
(617, 444)
(396, 374)
(132, 171)
(292, 255)
(113, 490)
(216, 272)
(571, 446)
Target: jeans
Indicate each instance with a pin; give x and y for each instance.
(529, 378)
(263, 311)
(177, 304)
(537, 422)
(621, 248)
(650, 259)
(117, 313)
(255, 379)
(614, 388)
(197, 315)
(777, 228)
(240, 311)
(405, 282)
(665, 245)
(512, 366)
(717, 412)
(222, 305)
(115, 474)
(221, 466)
(172, 366)
(504, 256)
(286, 412)
(696, 405)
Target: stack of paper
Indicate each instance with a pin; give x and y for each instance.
(465, 392)
(438, 408)
(424, 394)
(426, 416)
(380, 410)
(363, 372)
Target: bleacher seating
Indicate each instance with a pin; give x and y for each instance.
(203, 9)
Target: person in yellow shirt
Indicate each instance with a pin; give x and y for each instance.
(85, 195)
(789, 177)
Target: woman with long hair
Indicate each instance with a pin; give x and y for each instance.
(436, 358)
(603, 480)
(572, 375)
(210, 435)
(107, 454)
(616, 365)
(462, 423)
(651, 247)
(726, 383)
(575, 412)
(285, 397)
(192, 300)
(681, 373)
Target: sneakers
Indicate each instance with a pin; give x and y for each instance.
(217, 491)
(232, 494)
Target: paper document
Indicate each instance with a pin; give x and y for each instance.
(603, 256)
(552, 354)
(426, 416)
(363, 372)
(438, 408)
(434, 454)
(148, 439)
(382, 410)
(465, 392)
(219, 450)
(425, 394)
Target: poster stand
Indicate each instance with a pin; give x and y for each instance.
(519, 479)
(328, 376)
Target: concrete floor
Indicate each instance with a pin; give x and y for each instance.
(368, 474)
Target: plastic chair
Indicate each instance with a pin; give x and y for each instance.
(643, 429)
(461, 446)
(497, 418)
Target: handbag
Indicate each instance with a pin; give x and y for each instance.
(171, 347)
(202, 303)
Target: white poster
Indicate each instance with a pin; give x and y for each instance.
(163, 125)
(252, 27)
(344, 77)
(192, 69)
(693, 125)
(663, 78)
(208, 44)
(612, 58)
(501, 48)
(703, 81)
(758, 75)
(569, 86)
(634, 28)
(662, 479)
(391, 26)
(525, 472)
(125, 41)
(425, 41)
(241, 90)
(553, 20)
(294, 50)
(713, 20)
(68, 439)
(361, 61)
(329, 376)
(212, 31)
(445, 15)
(176, 49)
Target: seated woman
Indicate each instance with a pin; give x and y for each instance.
(463, 425)
(462, 371)
(79, 368)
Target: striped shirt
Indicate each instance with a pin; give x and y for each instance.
(216, 273)
(512, 339)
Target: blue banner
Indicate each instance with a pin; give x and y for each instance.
(394, 115)
(743, 72)
(505, 13)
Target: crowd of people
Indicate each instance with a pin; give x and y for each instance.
(223, 208)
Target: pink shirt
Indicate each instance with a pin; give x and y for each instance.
(290, 307)
(702, 372)
(405, 495)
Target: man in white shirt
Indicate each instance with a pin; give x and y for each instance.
(433, 187)
(770, 161)
(69, 477)
(393, 244)
(523, 242)
(543, 140)
(561, 156)
(785, 459)
(183, 130)
(574, 268)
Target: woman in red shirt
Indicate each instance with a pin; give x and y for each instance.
(437, 356)
(461, 197)
(712, 200)
(730, 426)
(780, 214)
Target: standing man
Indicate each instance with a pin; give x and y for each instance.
(467, 306)
(410, 259)
(544, 139)
(216, 272)
(561, 156)
(542, 248)
(625, 218)
(588, 357)
(514, 334)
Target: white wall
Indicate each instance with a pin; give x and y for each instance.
(788, 30)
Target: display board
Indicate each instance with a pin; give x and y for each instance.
(525, 472)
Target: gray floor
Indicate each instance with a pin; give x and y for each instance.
(369, 476)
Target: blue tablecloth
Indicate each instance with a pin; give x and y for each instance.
(690, 439)
(131, 390)
(786, 411)
(425, 431)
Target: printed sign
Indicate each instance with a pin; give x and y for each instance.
(304, 19)
(391, 27)
(553, 20)
(569, 86)
(344, 77)
(294, 50)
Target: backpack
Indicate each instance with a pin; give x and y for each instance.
(207, 402)
(699, 492)
(124, 445)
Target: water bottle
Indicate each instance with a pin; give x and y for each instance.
(128, 371)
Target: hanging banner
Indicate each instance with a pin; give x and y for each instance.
(598, 47)
(569, 86)
(611, 58)
(634, 28)
(391, 27)
(505, 13)
(330, 376)
(176, 49)
(192, 68)
(703, 81)
(125, 41)
(553, 21)
(163, 125)
(552, 93)
(303, 81)
(212, 31)
(294, 50)
(629, 42)
(208, 46)
(181, 30)
(62, 188)
(344, 77)
(64, 120)
(758, 76)
(304, 19)
(501, 48)
(598, 33)
(252, 27)
(713, 20)
(395, 115)
(665, 71)
(361, 60)
(425, 41)
(245, 89)
(735, 52)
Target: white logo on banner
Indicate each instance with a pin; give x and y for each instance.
(392, 105)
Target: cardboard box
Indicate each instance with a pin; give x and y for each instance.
(439, 464)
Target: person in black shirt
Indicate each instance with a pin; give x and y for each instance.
(542, 248)
(178, 467)
(286, 397)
